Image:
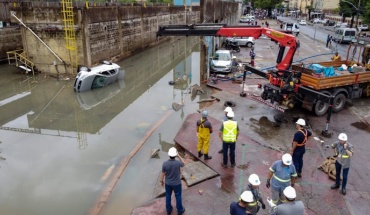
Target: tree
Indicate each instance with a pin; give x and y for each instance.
(266, 4)
(310, 9)
(347, 10)
(366, 13)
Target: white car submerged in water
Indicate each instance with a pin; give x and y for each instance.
(97, 77)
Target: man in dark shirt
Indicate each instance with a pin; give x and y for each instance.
(298, 145)
(171, 170)
(239, 208)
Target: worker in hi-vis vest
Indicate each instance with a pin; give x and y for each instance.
(229, 133)
(282, 174)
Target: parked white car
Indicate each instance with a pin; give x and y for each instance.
(221, 62)
(316, 21)
(302, 22)
(243, 41)
(341, 25)
(363, 27)
(246, 20)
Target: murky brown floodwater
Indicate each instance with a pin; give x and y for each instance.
(58, 147)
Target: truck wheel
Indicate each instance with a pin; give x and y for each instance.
(339, 102)
(321, 108)
(264, 96)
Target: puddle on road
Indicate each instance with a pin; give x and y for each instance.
(362, 126)
(264, 127)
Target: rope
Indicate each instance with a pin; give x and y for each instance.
(241, 175)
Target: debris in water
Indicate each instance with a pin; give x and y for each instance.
(200, 191)
(244, 166)
(154, 153)
(177, 106)
(206, 100)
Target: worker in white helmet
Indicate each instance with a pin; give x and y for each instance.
(171, 180)
(298, 145)
(282, 174)
(253, 186)
(290, 207)
(238, 208)
(228, 133)
(343, 151)
(227, 110)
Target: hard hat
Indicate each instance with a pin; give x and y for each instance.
(234, 57)
(301, 122)
(228, 109)
(204, 113)
(172, 152)
(230, 114)
(247, 196)
(343, 137)
(289, 192)
(287, 159)
(254, 179)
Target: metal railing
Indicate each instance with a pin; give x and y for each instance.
(21, 61)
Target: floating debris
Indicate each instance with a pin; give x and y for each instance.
(177, 106)
(200, 191)
(244, 166)
(154, 153)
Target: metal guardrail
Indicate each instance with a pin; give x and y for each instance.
(21, 61)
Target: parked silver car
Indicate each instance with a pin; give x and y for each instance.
(243, 41)
(221, 62)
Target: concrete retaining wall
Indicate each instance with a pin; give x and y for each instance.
(109, 32)
(10, 39)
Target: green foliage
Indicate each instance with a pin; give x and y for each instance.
(126, 1)
(366, 13)
(160, 1)
(346, 9)
(266, 4)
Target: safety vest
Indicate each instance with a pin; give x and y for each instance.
(305, 138)
(229, 132)
(255, 196)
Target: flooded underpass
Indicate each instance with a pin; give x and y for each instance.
(59, 148)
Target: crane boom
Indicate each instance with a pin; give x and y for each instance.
(222, 30)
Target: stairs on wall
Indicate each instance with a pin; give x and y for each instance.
(18, 57)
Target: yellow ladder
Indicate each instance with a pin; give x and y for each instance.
(69, 33)
(80, 127)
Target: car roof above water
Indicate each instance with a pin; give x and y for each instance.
(104, 67)
(223, 51)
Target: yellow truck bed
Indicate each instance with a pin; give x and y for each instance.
(309, 79)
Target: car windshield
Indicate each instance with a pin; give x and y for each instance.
(350, 33)
(222, 56)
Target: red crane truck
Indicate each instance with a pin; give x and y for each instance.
(288, 85)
